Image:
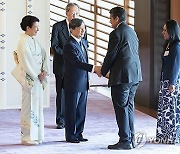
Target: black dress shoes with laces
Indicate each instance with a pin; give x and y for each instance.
(120, 146)
(73, 141)
(82, 139)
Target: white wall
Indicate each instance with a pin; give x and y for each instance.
(15, 10)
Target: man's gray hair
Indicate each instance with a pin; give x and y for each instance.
(70, 5)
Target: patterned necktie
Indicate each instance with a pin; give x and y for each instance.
(82, 47)
(80, 43)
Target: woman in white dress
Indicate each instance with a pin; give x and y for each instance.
(33, 64)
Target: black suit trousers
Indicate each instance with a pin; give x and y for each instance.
(75, 113)
(60, 102)
(123, 102)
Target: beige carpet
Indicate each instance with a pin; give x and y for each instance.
(100, 129)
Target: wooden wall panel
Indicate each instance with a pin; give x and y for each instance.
(150, 16)
(174, 10)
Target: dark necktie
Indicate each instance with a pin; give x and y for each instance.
(82, 47)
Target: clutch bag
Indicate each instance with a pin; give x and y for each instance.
(22, 77)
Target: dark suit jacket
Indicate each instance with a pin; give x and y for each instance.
(171, 63)
(76, 66)
(122, 58)
(59, 37)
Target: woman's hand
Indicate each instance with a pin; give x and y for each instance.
(171, 88)
(42, 76)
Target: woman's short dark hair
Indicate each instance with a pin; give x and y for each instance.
(118, 12)
(75, 23)
(173, 30)
(28, 21)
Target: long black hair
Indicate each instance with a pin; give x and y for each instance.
(173, 31)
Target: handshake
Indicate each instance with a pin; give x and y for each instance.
(97, 70)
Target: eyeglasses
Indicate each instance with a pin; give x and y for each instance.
(74, 14)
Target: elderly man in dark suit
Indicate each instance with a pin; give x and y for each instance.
(76, 81)
(60, 35)
(122, 60)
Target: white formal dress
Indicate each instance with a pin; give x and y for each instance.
(32, 60)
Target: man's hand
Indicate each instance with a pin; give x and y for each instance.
(97, 70)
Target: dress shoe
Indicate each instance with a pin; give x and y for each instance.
(73, 141)
(60, 126)
(29, 143)
(82, 139)
(120, 146)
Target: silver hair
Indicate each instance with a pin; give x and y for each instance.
(70, 5)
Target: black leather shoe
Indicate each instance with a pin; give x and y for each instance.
(73, 141)
(60, 126)
(120, 146)
(82, 139)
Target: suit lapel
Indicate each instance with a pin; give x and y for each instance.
(65, 30)
(81, 52)
(85, 48)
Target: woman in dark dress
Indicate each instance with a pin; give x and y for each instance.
(168, 120)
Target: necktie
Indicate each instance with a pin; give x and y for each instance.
(80, 44)
(82, 47)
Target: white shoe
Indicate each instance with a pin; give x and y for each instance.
(30, 143)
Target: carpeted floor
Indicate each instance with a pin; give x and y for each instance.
(100, 129)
